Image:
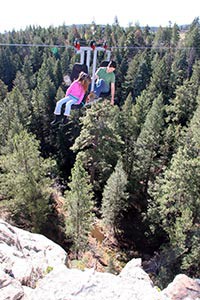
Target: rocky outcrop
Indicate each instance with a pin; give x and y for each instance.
(63, 283)
(25, 258)
(183, 287)
(34, 268)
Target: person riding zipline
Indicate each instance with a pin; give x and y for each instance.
(74, 96)
(105, 82)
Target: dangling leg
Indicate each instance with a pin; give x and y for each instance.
(68, 105)
(57, 120)
(57, 111)
(101, 87)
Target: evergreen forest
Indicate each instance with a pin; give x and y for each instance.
(133, 168)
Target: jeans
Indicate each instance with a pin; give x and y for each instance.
(69, 100)
(101, 87)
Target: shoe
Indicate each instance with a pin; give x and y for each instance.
(64, 121)
(91, 97)
(57, 120)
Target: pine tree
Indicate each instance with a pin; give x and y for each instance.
(14, 114)
(127, 128)
(175, 35)
(192, 38)
(148, 144)
(182, 107)
(79, 207)
(99, 144)
(3, 90)
(115, 197)
(175, 205)
(27, 72)
(160, 81)
(23, 180)
(175, 208)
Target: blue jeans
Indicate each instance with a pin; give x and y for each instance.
(101, 87)
(69, 100)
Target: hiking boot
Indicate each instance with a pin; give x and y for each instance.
(57, 120)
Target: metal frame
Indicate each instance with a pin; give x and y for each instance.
(88, 51)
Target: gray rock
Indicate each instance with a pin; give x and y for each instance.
(63, 283)
(34, 268)
(10, 288)
(183, 288)
(27, 256)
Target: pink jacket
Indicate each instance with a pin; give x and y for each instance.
(76, 90)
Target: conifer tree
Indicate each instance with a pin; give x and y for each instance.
(3, 90)
(79, 207)
(115, 198)
(99, 144)
(127, 128)
(175, 205)
(179, 68)
(14, 113)
(192, 39)
(148, 145)
(160, 81)
(27, 71)
(175, 35)
(182, 107)
(8, 68)
(23, 180)
(138, 75)
(175, 208)
(162, 38)
(21, 83)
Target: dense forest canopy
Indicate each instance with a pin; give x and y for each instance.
(135, 165)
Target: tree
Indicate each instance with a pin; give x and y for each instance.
(182, 107)
(179, 70)
(27, 71)
(24, 181)
(79, 207)
(175, 35)
(192, 38)
(99, 144)
(161, 81)
(148, 144)
(115, 197)
(14, 114)
(8, 68)
(128, 129)
(175, 208)
(3, 90)
(138, 75)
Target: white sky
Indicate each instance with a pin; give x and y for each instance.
(17, 14)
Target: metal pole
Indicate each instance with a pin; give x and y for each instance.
(82, 56)
(88, 59)
(108, 54)
(94, 69)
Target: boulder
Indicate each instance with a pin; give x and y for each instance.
(27, 256)
(183, 288)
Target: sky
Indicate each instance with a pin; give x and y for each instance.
(18, 14)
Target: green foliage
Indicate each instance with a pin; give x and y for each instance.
(48, 269)
(3, 90)
(98, 144)
(79, 207)
(115, 197)
(149, 141)
(176, 209)
(24, 181)
(153, 129)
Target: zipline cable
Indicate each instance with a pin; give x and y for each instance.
(112, 47)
